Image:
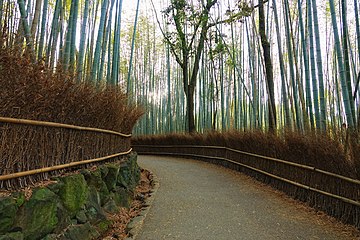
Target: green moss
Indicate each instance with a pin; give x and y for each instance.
(94, 179)
(50, 237)
(38, 216)
(104, 171)
(111, 178)
(19, 198)
(122, 197)
(93, 206)
(103, 225)
(74, 193)
(124, 178)
(129, 173)
(8, 210)
(81, 217)
(83, 232)
(12, 236)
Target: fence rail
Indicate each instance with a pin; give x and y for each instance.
(59, 125)
(61, 167)
(309, 178)
(253, 155)
(28, 150)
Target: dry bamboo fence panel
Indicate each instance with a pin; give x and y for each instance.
(31, 151)
(335, 194)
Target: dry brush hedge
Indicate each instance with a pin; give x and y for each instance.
(30, 91)
(315, 151)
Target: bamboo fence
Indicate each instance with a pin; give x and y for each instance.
(337, 195)
(31, 151)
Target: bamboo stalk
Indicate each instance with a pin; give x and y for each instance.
(60, 167)
(59, 125)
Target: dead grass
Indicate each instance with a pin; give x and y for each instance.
(30, 91)
(319, 151)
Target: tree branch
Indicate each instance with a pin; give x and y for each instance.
(229, 20)
(177, 58)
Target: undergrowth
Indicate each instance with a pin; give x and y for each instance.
(30, 91)
(317, 150)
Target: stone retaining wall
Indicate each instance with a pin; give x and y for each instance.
(73, 207)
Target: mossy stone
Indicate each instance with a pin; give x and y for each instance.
(134, 167)
(110, 205)
(104, 225)
(122, 197)
(93, 205)
(19, 198)
(129, 173)
(56, 187)
(74, 193)
(38, 216)
(8, 208)
(81, 217)
(94, 179)
(81, 231)
(50, 237)
(124, 178)
(12, 236)
(64, 219)
(133, 161)
(104, 171)
(111, 178)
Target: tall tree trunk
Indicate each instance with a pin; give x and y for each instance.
(95, 66)
(35, 21)
(66, 54)
(282, 69)
(306, 66)
(346, 57)
(53, 34)
(323, 112)
(73, 37)
(42, 29)
(344, 86)
(315, 88)
(1, 14)
(106, 42)
(129, 84)
(116, 53)
(80, 63)
(25, 25)
(299, 124)
(357, 24)
(268, 68)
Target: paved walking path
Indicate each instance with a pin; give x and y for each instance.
(197, 200)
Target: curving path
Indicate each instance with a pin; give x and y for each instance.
(197, 200)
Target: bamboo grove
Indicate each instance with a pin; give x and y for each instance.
(314, 55)
(204, 65)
